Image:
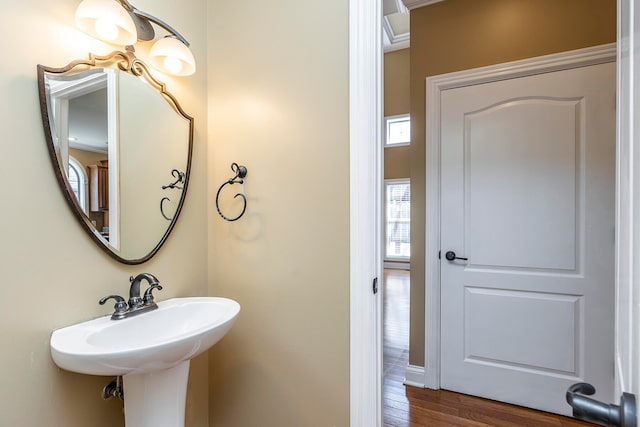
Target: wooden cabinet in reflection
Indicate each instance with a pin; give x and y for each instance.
(99, 187)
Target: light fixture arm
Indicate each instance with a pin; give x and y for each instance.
(159, 22)
(126, 5)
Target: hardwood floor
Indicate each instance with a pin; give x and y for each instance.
(406, 406)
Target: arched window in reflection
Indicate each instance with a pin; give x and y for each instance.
(78, 181)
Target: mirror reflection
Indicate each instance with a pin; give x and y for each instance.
(121, 147)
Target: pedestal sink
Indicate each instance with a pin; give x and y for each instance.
(151, 351)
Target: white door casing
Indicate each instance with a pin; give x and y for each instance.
(567, 305)
(365, 163)
(627, 354)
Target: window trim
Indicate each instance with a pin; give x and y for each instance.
(387, 182)
(391, 119)
(83, 184)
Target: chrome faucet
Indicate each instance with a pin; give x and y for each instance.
(136, 304)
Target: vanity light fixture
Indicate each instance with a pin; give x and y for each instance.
(119, 22)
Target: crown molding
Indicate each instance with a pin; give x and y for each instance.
(392, 41)
(414, 4)
(393, 6)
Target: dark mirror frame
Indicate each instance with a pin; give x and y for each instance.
(128, 62)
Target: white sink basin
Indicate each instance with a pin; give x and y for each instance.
(180, 329)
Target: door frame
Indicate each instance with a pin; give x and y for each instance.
(627, 259)
(434, 87)
(365, 180)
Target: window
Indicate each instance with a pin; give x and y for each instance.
(398, 130)
(397, 219)
(78, 182)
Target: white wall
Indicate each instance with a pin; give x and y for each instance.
(51, 274)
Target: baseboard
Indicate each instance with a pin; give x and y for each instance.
(414, 376)
(397, 265)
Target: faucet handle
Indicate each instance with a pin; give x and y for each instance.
(120, 306)
(148, 294)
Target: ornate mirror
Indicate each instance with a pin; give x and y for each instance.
(121, 147)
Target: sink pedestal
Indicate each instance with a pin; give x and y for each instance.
(156, 399)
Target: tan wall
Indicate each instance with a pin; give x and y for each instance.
(51, 273)
(462, 34)
(87, 158)
(161, 149)
(396, 101)
(397, 162)
(396, 82)
(279, 104)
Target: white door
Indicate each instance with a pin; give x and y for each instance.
(527, 191)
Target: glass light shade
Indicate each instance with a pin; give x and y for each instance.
(172, 56)
(106, 20)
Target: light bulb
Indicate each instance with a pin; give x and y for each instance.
(106, 20)
(106, 29)
(172, 64)
(172, 56)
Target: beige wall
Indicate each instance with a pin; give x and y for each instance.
(277, 83)
(462, 34)
(87, 158)
(396, 101)
(51, 273)
(161, 149)
(279, 105)
(271, 92)
(396, 82)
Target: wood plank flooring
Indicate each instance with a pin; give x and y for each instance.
(406, 406)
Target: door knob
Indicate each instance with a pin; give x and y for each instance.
(587, 409)
(450, 256)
